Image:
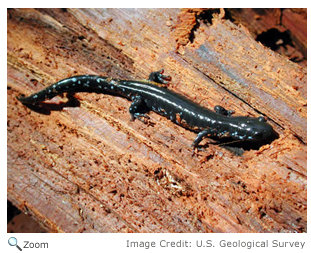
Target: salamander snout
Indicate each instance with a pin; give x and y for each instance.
(259, 129)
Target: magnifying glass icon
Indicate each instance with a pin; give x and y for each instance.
(13, 242)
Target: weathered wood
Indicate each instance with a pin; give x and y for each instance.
(86, 167)
(285, 30)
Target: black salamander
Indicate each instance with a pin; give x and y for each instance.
(153, 95)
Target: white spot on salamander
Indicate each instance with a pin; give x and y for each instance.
(74, 79)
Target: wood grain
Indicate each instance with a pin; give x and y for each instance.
(87, 168)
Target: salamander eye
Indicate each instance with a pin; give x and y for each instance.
(262, 119)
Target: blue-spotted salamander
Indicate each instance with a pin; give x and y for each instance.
(153, 95)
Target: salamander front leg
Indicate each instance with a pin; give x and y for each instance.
(158, 77)
(201, 135)
(138, 108)
(222, 111)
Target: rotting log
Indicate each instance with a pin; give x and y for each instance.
(283, 30)
(86, 167)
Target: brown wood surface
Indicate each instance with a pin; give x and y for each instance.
(286, 29)
(87, 168)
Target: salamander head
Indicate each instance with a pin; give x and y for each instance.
(251, 129)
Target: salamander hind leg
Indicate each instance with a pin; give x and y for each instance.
(158, 77)
(138, 109)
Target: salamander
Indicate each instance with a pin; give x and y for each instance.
(153, 95)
